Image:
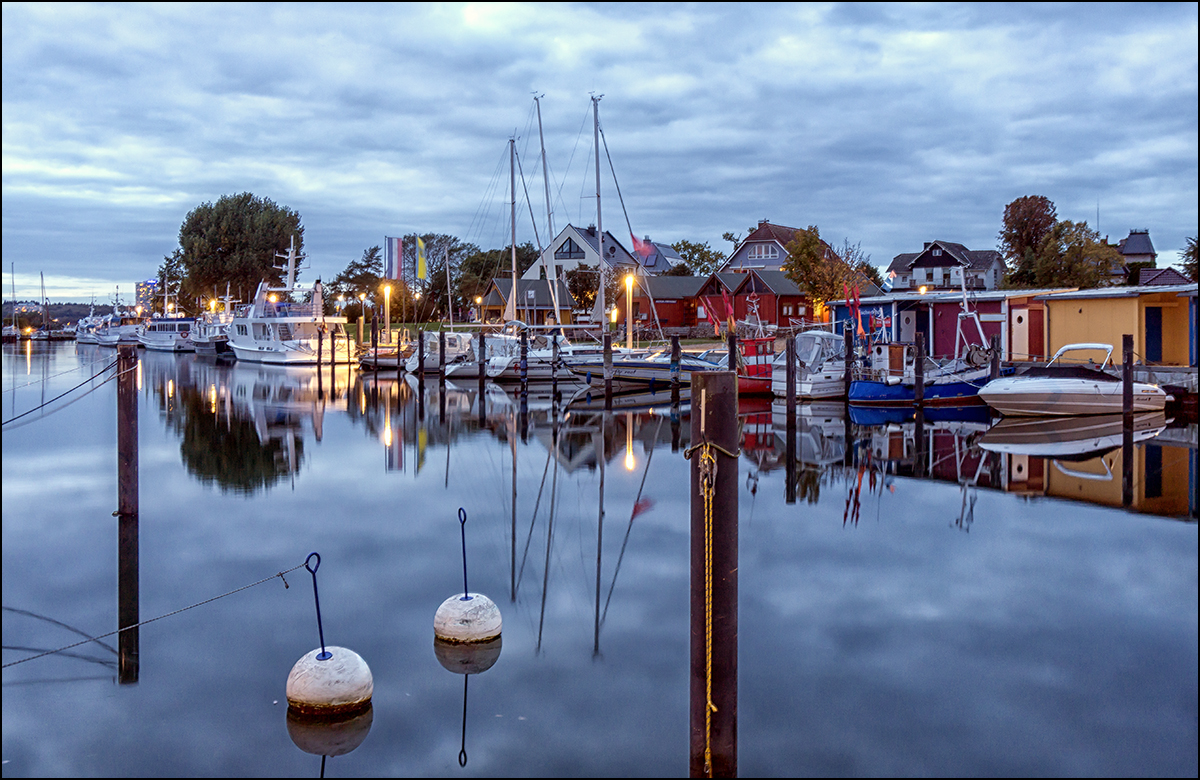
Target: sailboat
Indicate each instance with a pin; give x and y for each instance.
(12, 333)
(275, 329)
(47, 332)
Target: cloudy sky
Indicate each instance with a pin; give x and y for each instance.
(889, 125)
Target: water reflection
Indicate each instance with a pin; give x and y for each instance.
(243, 428)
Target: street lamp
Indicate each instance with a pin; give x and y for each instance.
(387, 308)
(629, 311)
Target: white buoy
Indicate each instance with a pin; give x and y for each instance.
(467, 658)
(330, 736)
(338, 685)
(473, 618)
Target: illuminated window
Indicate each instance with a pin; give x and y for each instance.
(763, 252)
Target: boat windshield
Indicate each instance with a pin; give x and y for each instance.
(814, 348)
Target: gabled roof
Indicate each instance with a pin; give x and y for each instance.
(769, 233)
(659, 258)
(974, 259)
(731, 281)
(1158, 276)
(671, 286)
(500, 288)
(621, 257)
(778, 282)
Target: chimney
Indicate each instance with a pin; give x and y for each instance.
(762, 222)
(591, 230)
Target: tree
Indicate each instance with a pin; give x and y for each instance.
(701, 259)
(1073, 255)
(170, 280)
(816, 269)
(1027, 221)
(478, 268)
(360, 277)
(859, 262)
(234, 241)
(1187, 259)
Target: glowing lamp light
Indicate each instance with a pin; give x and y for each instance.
(272, 297)
(614, 315)
(922, 289)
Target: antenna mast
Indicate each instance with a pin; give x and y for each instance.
(600, 307)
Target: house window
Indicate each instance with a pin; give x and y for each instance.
(763, 252)
(787, 309)
(569, 251)
(937, 252)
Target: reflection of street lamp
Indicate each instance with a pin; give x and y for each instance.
(630, 464)
(387, 308)
(629, 311)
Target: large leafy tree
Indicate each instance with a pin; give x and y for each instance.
(701, 259)
(1027, 222)
(819, 272)
(170, 282)
(234, 241)
(478, 268)
(1072, 254)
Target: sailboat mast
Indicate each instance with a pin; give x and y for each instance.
(512, 185)
(600, 307)
(553, 275)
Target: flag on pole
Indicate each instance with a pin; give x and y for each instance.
(393, 257)
(420, 258)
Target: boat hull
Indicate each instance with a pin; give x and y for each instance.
(946, 393)
(1044, 397)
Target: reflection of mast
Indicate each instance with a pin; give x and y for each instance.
(599, 534)
(628, 528)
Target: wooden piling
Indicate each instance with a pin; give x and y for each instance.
(523, 366)
(375, 341)
(675, 357)
(790, 440)
(441, 356)
(482, 366)
(608, 371)
(919, 371)
(1127, 420)
(731, 346)
(994, 371)
(421, 356)
(848, 375)
(128, 585)
(714, 576)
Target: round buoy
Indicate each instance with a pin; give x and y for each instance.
(340, 684)
(334, 735)
(467, 658)
(470, 618)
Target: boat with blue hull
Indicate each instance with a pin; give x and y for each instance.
(888, 377)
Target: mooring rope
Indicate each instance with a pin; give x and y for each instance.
(73, 389)
(160, 617)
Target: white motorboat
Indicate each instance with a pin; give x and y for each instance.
(168, 334)
(654, 369)
(121, 327)
(211, 332)
(1059, 388)
(458, 346)
(275, 329)
(820, 366)
(539, 360)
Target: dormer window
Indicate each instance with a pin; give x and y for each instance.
(763, 252)
(937, 252)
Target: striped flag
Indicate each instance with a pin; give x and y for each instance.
(393, 257)
(420, 258)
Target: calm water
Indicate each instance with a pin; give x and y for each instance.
(1003, 616)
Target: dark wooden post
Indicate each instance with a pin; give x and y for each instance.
(441, 356)
(675, 356)
(790, 390)
(714, 578)
(523, 366)
(994, 373)
(919, 371)
(482, 364)
(608, 371)
(127, 514)
(320, 347)
(731, 346)
(1127, 420)
(848, 375)
(421, 356)
(554, 368)
(375, 342)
